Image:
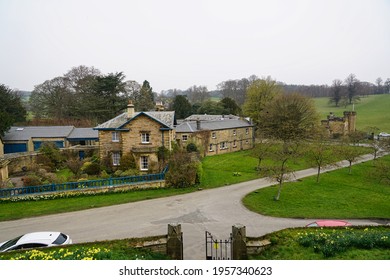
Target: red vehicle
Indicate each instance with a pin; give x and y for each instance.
(329, 223)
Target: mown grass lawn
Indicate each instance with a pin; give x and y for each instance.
(338, 195)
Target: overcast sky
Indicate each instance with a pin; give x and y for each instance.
(178, 44)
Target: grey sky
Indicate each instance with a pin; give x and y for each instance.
(177, 44)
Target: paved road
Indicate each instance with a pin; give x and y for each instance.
(214, 210)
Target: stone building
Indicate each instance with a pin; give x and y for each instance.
(216, 134)
(340, 126)
(138, 133)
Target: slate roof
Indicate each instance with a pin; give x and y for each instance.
(27, 132)
(206, 117)
(167, 118)
(191, 126)
(83, 133)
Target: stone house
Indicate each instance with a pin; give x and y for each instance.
(340, 126)
(216, 134)
(138, 133)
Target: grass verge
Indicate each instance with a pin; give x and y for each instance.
(338, 195)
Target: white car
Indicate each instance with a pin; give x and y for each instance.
(383, 134)
(35, 240)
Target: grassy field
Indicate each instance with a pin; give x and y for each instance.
(371, 111)
(338, 195)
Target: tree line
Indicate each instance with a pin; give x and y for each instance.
(86, 96)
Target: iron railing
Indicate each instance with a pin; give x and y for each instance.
(81, 185)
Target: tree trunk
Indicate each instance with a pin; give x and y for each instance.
(318, 173)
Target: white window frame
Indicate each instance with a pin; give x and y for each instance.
(144, 163)
(115, 136)
(213, 135)
(223, 146)
(234, 132)
(246, 131)
(184, 137)
(116, 158)
(145, 137)
(211, 148)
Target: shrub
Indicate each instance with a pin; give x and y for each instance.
(191, 147)
(182, 171)
(128, 161)
(31, 180)
(91, 168)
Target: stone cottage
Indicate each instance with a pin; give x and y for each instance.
(138, 133)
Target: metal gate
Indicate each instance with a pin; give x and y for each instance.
(218, 249)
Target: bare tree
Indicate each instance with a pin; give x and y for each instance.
(352, 84)
(336, 92)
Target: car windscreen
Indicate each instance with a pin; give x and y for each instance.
(60, 239)
(10, 243)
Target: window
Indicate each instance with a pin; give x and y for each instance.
(145, 138)
(234, 144)
(234, 132)
(184, 137)
(115, 136)
(144, 163)
(246, 130)
(213, 135)
(116, 158)
(211, 148)
(222, 145)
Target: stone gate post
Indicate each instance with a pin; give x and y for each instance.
(239, 251)
(175, 242)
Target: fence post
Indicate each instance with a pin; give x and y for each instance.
(239, 251)
(175, 242)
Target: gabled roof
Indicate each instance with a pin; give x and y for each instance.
(166, 118)
(27, 132)
(191, 126)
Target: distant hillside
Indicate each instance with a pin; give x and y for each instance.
(25, 95)
(372, 110)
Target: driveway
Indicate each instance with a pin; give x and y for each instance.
(214, 210)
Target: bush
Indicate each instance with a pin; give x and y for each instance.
(128, 161)
(182, 171)
(91, 168)
(191, 147)
(31, 180)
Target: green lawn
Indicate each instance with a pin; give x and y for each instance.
(355, 243)
(371, 111)
(338, 195)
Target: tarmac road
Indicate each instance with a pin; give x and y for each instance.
(214, 210)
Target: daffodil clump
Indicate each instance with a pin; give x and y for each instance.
(64, 254)
(330, 243)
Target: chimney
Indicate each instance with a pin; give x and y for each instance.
(130, 110)
(198, 124)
